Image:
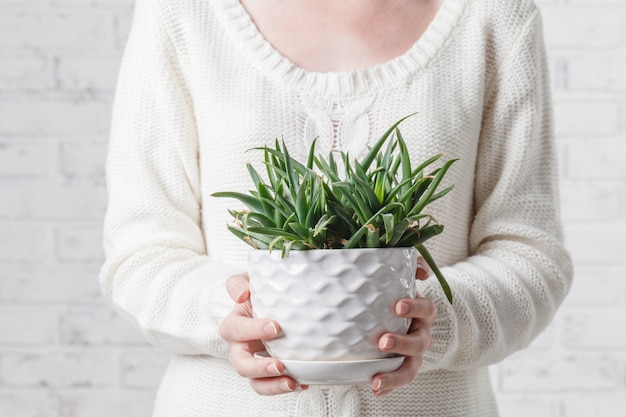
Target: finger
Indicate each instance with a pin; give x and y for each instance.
(235, 328)
(238, 287)
(384, 383)
(274, 386)
(416, 308)
(241, 356)
(423, 271)
(410, 344)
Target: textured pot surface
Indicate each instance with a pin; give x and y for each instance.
(332, 304)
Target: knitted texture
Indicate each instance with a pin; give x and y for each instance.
(199, 86)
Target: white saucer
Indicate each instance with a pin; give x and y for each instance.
(337, 372)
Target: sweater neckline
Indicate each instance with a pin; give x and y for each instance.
(263, 56)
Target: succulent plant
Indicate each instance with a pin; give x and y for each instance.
(374, 202)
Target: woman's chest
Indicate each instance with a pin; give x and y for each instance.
(327, 36)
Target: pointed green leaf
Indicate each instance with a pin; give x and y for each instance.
(442, 280)
(251, 202)
(369, 157)
(389, 223)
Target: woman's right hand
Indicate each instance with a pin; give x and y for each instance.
(244, 334)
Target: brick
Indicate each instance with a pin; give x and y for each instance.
(49, 284)
(113, 403)
(597, 159)
(591, 201)
(524, 406)
(597, 73)
(83, 158)
(600, 286)
(25, 73)
(92, 3)
(144, 369)
(5, 3)
(37, 116)
(600, 330)
(80, 243)
(97, 327)
(572, 27)
(603, 243)
(54, 202)
(58, 369)
(21, 325)
(24, 241)
(586, 118)
(24, 30)
(530, 372)
(34, 158)
(88, 72)
(596, 404)
(28, 403)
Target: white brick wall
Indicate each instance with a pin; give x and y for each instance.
(63, 353)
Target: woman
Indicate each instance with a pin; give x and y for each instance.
(202, 81)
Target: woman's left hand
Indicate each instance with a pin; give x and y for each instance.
(411, 345)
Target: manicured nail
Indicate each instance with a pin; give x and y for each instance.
(388, 343)
(243, 296)
(285, 386)
(273, 369)
(402, 308)
(380, 384)
(270, 329)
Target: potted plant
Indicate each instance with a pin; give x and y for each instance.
(337, 247)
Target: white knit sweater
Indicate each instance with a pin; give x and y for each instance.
(199, 86)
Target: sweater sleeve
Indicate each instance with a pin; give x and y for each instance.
(518, 271)
(157, 273)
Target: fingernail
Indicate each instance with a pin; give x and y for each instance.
(243, 296)
(388, 343)
(272, 368)
(285, 386)
(270, 329)
(421, 264)
(402, 308)
(380, 384)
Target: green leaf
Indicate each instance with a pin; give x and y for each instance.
(426, 197)
(352, 202)
(323, 223)
(257, 218)
(415, 237)
(301, 231)
(420, 168)
(311, 158)
(372, 237)
(301, 202)
(441, 193)
(251, 202)
(398, 232)
(369, 157)
(389, 223)
(367, 193)
(285, 211)
(275, 242)
(286, 249)
(272, 232)
(344, 215)
(442, 280)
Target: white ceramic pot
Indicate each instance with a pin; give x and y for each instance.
(332, 305)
